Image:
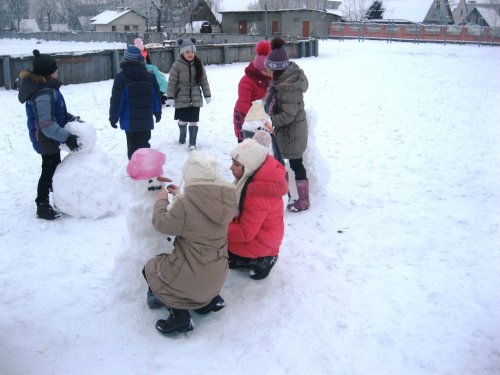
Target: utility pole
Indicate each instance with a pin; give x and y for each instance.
(265, 17)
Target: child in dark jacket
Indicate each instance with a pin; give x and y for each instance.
(47, 116)
(255, 234)
(135, 98)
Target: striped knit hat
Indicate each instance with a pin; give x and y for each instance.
(133, 54)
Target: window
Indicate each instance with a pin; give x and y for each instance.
(113, 28)
(135, 28)
(126, 28)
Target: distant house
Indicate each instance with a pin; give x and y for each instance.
(418, 11)
(287, 22)
(120, 20)
(485, 12)
(460, 13)
(28, 25)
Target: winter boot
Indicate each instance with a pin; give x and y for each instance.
(153, 301)
(193, 133)
(45, 211)
(178, 321)
(235, 261)
(182, 133)
(302, 203)
(215, 304)
(263, 267)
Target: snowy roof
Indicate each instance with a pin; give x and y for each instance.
(109, 16)
(410, 10)
(490, 15)
(28, 25)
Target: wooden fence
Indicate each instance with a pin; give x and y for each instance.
(416, 33)
(83, 67)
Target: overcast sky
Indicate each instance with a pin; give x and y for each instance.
(235, 4)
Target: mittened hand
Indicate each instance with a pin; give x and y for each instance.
(208, 99)
(113, 125)
(72, 142)
(78, 119)
(173, 189)
(170, 102)
(158, 117)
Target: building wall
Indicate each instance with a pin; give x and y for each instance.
(290, 22)
(135, 23)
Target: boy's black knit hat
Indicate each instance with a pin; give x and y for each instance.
(43, 65)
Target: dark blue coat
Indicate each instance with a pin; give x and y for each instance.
(46, 112)
(135, 98)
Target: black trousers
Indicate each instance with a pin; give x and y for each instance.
(49, 165)
(136, 140)
(297, 166)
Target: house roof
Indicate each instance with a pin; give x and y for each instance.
(490, 15)
(28, 25)
(109, 16)
(410, 10)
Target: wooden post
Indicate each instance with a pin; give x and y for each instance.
(116, 62)
(6, 72)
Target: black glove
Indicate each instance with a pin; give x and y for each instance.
(158, 117)
(72, 142)
(113, 125)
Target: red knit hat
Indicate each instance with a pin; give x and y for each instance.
(262, 50)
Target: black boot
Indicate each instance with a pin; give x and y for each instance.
(193, 133)
(178, 321)
(262, 267)
(235, 261)
(45, 211)
(215, 304)
(182, 133)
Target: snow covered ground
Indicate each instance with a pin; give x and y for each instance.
(394, 270)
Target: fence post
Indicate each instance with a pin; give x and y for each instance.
(226, 54)
(116, 62)
(6, 72)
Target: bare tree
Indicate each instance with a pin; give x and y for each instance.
(355, 10)
(13, 11)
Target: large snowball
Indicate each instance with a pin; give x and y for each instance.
(87, 184)
(86, 133)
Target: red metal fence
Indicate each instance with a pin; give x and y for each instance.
(416, 32)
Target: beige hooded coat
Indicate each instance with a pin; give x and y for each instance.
(195, 272)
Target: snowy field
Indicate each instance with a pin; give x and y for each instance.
(395, 269)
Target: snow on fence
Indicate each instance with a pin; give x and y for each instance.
(416, 32)
(93, 66)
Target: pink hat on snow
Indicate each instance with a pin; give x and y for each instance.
(146, 163)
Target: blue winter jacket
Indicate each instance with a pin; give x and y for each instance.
(135, 98)
(46, 112)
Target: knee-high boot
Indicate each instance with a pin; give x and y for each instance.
(303, 202)
(193, 133)
(182, 133)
